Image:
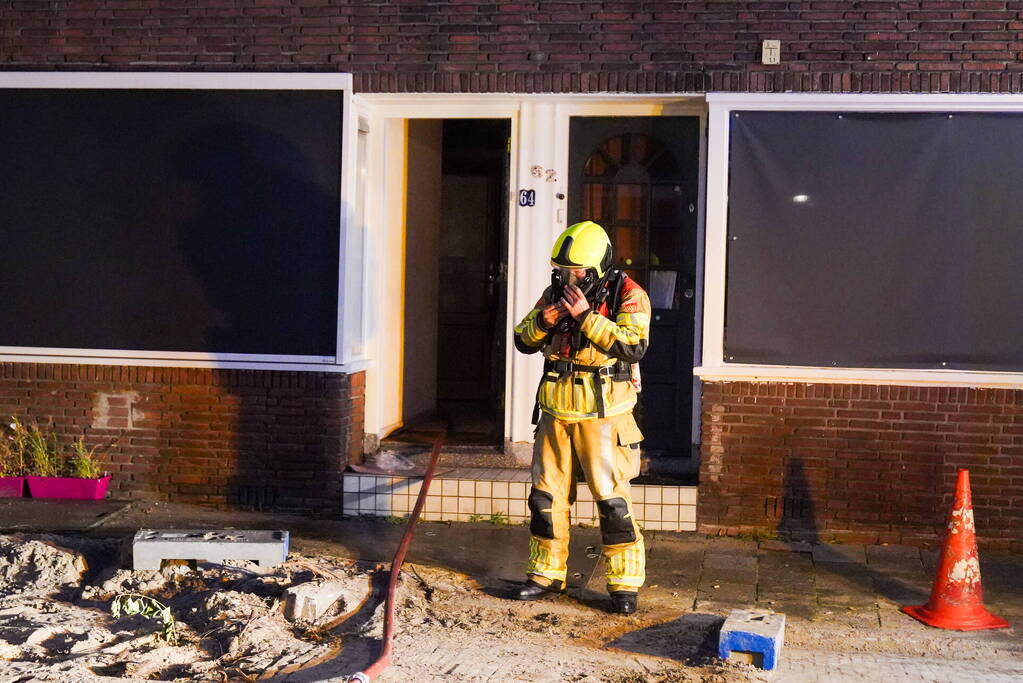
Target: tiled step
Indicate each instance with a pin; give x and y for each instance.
(476, 494)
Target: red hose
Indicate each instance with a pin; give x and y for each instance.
(382, 662)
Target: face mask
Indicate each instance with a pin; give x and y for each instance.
(563, 277)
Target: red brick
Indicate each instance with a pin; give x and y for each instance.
(201, 426)
(897, 479)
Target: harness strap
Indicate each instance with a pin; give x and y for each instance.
(620, 371)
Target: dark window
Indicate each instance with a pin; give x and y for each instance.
(875, 240)
(170, 220)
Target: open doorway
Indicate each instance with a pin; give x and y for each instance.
(455, 275)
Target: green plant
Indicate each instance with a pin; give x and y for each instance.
(82, 462)
(128, 604)
(13, 450)
(31, 449)
(475, 518)
(44, 451)
(499, 518)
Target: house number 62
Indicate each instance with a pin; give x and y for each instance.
(549, 174)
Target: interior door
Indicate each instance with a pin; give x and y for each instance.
(468, 266)
(638, 178)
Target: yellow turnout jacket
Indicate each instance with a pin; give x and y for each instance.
(572, 395)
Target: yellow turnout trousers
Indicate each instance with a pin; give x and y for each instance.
(606, 451)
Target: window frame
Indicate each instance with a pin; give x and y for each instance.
(713, 367)
(341, 361)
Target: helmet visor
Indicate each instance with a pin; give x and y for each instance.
(569, 277)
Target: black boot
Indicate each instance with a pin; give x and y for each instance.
(624, 602)
(531, 590)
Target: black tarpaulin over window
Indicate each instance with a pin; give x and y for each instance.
(875, 240)
(170, 220)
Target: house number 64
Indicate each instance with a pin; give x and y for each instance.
(549, 174)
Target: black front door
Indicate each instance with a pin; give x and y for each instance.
(639, 178)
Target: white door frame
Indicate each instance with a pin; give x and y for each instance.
(383, 292)
(679, 105)
(539, 138)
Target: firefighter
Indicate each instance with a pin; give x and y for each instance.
(592, 327)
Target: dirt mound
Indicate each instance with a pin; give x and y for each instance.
(36, 567)
(55, 617)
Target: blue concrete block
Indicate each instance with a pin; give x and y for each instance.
(753, 631)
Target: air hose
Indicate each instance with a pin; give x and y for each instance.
(384, 659)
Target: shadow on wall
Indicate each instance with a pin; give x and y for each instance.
(838, 575)
(267, 439)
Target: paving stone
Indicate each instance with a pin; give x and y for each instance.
(892, 617)
(848, 615)
(717, 575)
(680, 538)
(724, 545)
(793, 608)
(727, 592)
(786, 593)
(723, 608)
(839, 553)
(786, 560)
(900, 591)
(713, 560)
(785, 575)
(785, 546)
(850, 578)
(1001, 578)
(806, 666)
(1003, 603)
(843, 600)
(891, 553)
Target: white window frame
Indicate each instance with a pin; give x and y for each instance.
(339, 362)
(720, 105)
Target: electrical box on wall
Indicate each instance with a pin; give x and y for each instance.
(771, 52)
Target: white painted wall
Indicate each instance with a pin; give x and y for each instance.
(422, 267)
(385, 283)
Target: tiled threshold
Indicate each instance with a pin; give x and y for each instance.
(464, 494)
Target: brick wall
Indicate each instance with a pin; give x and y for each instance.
(246, 438)
(551, 46)
(859, 463)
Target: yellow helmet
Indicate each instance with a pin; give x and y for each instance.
(583, 245)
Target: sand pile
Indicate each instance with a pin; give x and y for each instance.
(56, 624)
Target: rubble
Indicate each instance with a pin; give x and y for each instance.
(313, 600)
(55, 616)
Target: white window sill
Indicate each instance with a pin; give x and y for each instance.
(810, 375)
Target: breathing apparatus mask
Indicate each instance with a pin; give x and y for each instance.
(564, 277)
(589, 285)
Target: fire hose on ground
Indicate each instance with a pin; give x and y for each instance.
(384, 659)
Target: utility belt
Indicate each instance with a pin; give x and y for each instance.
(620, 371)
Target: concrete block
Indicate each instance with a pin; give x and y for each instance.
(265, 548)
(752, 637)
(310, 601)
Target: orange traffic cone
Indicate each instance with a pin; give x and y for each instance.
(957, 600)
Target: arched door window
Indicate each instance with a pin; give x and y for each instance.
(632, 187)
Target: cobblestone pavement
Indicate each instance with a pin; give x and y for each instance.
(807, 666)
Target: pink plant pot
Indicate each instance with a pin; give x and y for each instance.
(68, 487)
(11, 487)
